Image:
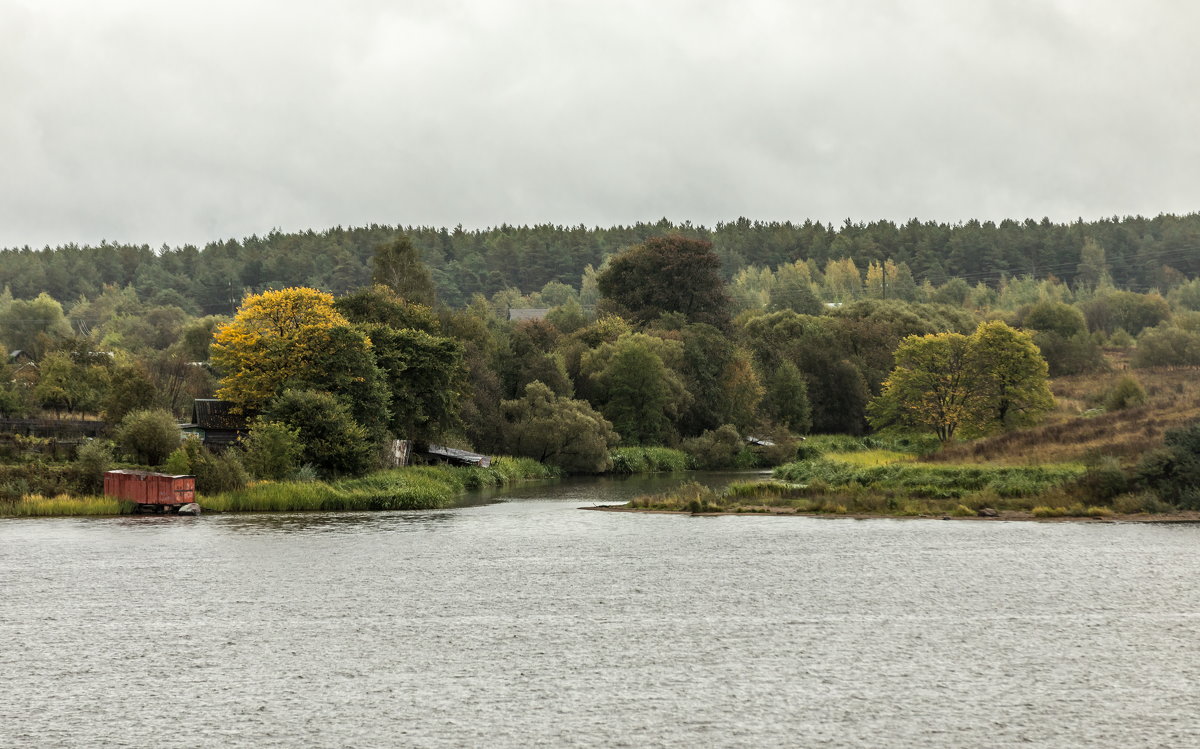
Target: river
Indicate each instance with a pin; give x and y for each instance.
(528, 622)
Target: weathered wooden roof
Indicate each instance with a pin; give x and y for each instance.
(210, 413)
(454, 455)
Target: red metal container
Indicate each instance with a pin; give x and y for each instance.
(146, 488)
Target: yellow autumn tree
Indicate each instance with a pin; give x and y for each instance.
(992, 379)
(274, 338)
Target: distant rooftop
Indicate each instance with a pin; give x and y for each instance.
(528, 313)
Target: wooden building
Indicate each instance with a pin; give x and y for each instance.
(215, 423)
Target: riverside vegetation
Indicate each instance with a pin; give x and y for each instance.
(671, 346)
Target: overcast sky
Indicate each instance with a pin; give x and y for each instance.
(173, 122)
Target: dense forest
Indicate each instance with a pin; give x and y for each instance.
(655, 335)
(1141, 254)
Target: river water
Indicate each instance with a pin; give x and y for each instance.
(529, 622)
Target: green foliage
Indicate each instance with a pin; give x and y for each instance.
(1078, 354)
(147, 436)
(33, 326)
(333, 441)
(1126, 392)
(65, 384)
(37, 505)
(931, 480)
(397, 265)
(1173, 471)
(130, 389)
(1126, 310)
(786, 400)
(557, 431)
(423, 375)
(994, 378)
(379, 305)
(719, 449)
(667, 274)
(708, 356)
(1167, 346)
(1103, 480)
(636, 390)
(630, 460)
(414, 488)
(93, 459)
(1054, 317)
(214, 472)
(271, 449)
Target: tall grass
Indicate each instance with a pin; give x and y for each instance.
(412, 488)
(35, 505)
(629, 460)
(932, 481)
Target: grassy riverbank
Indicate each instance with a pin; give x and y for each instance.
(413, 488)
(876, 479)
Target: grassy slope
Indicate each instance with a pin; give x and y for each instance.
(1077, 429)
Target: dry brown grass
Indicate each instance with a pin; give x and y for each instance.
(1076, 430)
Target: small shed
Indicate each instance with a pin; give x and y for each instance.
(215, 423)
(157, 491)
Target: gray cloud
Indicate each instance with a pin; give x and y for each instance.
(185, 122)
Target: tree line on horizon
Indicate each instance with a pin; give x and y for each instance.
(1140, 254)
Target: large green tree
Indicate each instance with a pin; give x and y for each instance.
(949, 383)
(667, 274)
(398, 266)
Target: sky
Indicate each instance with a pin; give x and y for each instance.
(185, 122)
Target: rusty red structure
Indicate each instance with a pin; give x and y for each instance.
(155, 492)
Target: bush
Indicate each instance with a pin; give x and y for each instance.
(1103, 480)
(565, 433)
(1173, 471)
(716, 449)
(148, 436)
(332, 440)
(93, 459)
(630, 460)
(1166, 346)
(214, 472)
(1125, 393)
(271, 449)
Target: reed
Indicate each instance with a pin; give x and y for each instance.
(412, 488)
(35, 505)
(630, 460)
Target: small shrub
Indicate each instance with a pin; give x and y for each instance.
(177, 462)
(271, 449)
(1140, 502)
(214, 472)
(1103, 479)
(93, 459)
(1125, 393)
(148, 436)
(715, 450)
